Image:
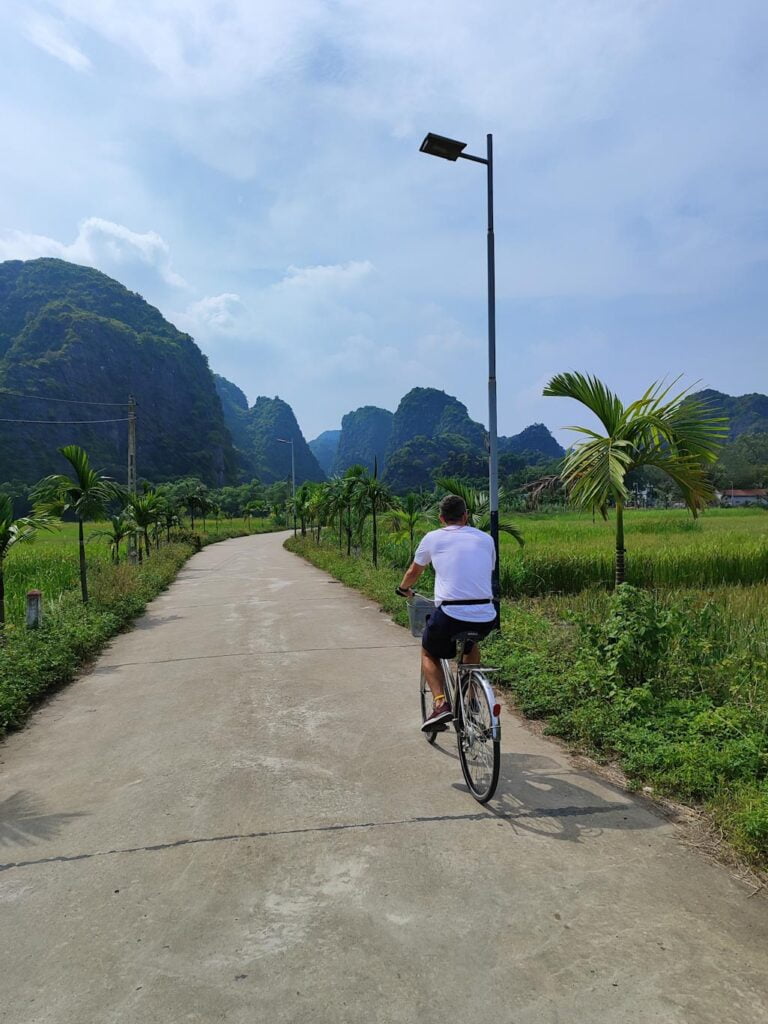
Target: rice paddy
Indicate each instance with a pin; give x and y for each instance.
(569, 552)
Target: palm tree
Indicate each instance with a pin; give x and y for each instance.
(215, 510)
(335, 503)
(373, 497)
(86, 495)
(301, 505)
(678, 435)
(12, 532)
(317, 508)
(145, 510)
(351, 479)
(193, 496)
(406, 517)
(121, 527)
(478, 507)
(168, 515)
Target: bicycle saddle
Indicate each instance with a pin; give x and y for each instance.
(469, 636)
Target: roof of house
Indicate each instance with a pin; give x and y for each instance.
(761, 492)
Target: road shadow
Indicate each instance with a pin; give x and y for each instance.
(23, 823)
(152, 621)
(538, 794)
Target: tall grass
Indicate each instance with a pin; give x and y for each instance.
(568, 552)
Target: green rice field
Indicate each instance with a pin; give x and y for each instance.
(569, 552)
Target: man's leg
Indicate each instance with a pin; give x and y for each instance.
(433, 673)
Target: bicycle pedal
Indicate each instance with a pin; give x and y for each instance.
(440, 727)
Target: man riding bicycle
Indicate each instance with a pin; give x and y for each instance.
(463, 559)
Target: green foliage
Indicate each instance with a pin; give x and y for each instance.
(743, 463)
(676, 435)
(478, 507)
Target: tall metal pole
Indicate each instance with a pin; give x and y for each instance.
(293, 488)
(132, 554)
(493, 458)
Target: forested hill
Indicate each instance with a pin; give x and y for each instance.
(747, 414)
(324, 448)
(71, 333)
(431, 434)
(364, 439)
(255, 433)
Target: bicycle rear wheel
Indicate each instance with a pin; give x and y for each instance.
(425, 697)
(479, 739)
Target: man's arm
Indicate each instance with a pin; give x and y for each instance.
(411, 575)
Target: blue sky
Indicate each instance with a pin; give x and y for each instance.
(252, 168)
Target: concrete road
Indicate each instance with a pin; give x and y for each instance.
(233, 817)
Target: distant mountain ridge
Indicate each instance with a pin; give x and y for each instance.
(747, 414)
(364, 439)
(429, 434)
(259, 434)
(71, 333)
(324, 448)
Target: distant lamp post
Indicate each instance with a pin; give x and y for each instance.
(450, 149)
(282, 440)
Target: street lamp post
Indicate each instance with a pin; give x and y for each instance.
(450, 149)
(282, 440)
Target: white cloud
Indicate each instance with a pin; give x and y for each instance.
(51, 36)
(99, 243)
(275, 144)
(221, 313)
(322, 280)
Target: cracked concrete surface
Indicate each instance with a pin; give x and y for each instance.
(233, 817)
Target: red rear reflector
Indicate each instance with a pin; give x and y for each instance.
(496, 710)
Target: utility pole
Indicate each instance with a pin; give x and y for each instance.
(132, 554)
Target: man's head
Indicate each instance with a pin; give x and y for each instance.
(453, 510)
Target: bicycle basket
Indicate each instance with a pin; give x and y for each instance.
(418, 609)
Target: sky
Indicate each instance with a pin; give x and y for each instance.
(253, 170)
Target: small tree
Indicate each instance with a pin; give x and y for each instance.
(120, 528)
(678, 435)
(12, 532)
(86, 495)
(350, 502)
(478, 507)
(373, 497)
(405, 518)
(145, 510)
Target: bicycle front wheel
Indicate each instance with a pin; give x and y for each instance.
(479, 738)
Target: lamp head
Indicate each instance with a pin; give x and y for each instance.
(439, 145)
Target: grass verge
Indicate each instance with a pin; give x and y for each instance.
(660, 684)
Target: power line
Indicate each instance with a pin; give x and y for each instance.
(64, 423)
(67, 401)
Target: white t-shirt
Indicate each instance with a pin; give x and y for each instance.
(463, 558)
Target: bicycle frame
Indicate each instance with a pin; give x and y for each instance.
(456, 687)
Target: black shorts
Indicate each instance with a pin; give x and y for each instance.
(438, 637)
